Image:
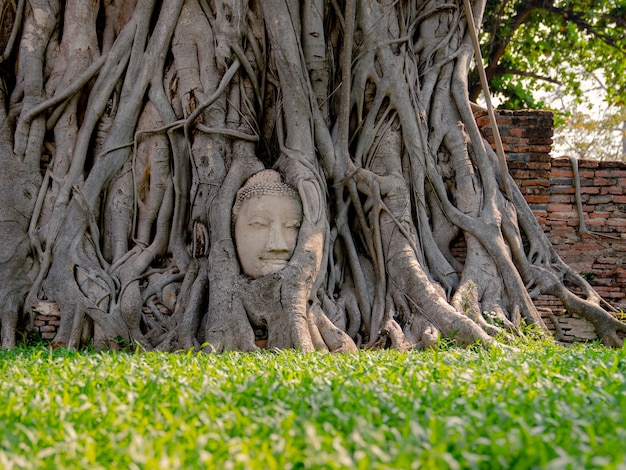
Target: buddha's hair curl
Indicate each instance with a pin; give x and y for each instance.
(265, 182)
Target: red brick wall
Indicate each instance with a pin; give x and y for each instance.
(600, 254)
(527, 140)
(548, 184)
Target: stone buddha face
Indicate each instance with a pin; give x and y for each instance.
(267, 216)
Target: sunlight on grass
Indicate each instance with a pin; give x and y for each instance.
(540, 406)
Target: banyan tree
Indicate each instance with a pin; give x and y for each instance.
(132, 136)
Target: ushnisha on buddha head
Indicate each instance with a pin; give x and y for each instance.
(266, 217)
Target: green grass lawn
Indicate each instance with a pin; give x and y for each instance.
(543, 406)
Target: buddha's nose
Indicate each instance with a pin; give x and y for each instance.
(276, 239)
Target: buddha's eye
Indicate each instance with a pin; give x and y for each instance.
(258, 222)
(292, 224)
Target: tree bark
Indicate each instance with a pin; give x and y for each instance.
(128, 128)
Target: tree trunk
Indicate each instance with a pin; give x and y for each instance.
(128, 129)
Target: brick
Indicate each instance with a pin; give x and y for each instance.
(561, 182)
(612, 173)
(520, 174)
(537, 191)
(562, 198)
(482, 121)
(531, 148)
(541, 141)
(517, 157)
(563, 215)
(586, 173)
(562, 173)
(616, 190)
(606, 229)
(607, 207)
(536, 199)
(596, 222)
(591, 245)
(561, 161)
(515, 140)
(560, 207)
(541, 174)
(535, 165)
(517, 165)
(573, 222)
(604, 181)
(562, 190)
(600, 200)
(616, 222)
(536, 182)
(588, 164)
(607, 164)
(556, 224)
(590, 190)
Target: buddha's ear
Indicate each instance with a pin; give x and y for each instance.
(311, 196)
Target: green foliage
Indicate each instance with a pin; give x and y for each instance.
(590, 275)
(541, 406)
(534, 44)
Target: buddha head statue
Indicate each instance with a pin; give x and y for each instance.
(266, 218)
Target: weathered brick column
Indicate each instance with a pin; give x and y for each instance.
(527, 140)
